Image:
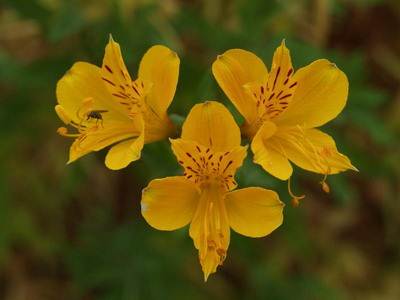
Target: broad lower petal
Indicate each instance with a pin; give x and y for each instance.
(123, 153)
(254, 212)
(169, 203)
(313, 150)
(160, 67)
(234, 69)
(211, 125)
(320, 95)
(268, 154)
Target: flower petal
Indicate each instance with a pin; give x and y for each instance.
(211, 125)
(320, 96)
(254, 211)
(81, 82)
(169, 203)
(233, 70)
(113, 64)
(128, 95)
(312, 150)
(160, 67)
(268, 155)
(123, 153)
(95, 140)
(209, 229)
(281, 69)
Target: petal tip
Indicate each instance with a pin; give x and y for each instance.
(354, 168)
(173, 54)
(220, 57)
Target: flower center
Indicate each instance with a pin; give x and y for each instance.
(204, 167)
(273, 96)
(130, 94)
(87, 119)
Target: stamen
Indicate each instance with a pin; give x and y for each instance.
(62, 114)
(325, 186)
(295, 199)
(63, 131)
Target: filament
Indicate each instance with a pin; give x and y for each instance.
(295, 199)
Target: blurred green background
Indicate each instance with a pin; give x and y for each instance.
(75, 232)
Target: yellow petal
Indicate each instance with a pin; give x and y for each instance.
(123, 153)
(158, 129)
(160, 67)
(281, 69)
(82, 82)
(114, 69)
(113, 63)
(312, 150)
(128, 95)
(209, 229)
(320, 96)
(233, 70)
(268, 155)
(211, 125)
(254, 212)
(95, 140)
(169, 203)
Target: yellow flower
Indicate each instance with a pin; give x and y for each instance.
(108, 108)
(282, 108)
(210, 152)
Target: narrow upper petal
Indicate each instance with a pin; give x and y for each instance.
(269, 155)
(122, 154)
(281, 70)
(254, 211)
(320, 95)
(113, 64)
(233, 70)
(128, 95)
(211, 125)
(169, 203)
(160, 67)
(312, 150)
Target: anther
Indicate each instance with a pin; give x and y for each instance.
(295, 199)
(63, 131)
(325, 186)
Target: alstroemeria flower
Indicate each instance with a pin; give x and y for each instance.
(108, 108)
(282, 108)
(210, 152)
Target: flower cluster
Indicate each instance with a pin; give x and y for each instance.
(282, 109)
